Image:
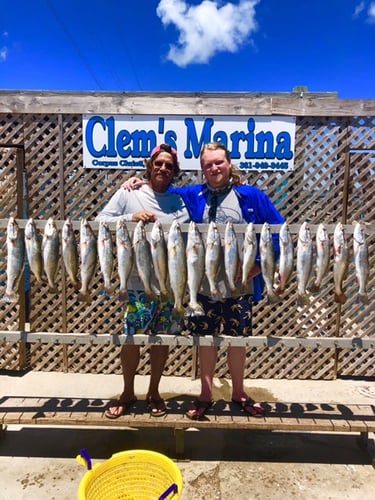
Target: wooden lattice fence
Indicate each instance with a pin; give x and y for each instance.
(42, 176)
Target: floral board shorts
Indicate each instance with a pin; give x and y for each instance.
(150, 318)
(232, 316)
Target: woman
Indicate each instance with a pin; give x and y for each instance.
(151, 202)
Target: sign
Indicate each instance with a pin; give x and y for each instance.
(123, 141)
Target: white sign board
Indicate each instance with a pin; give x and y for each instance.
(123, 141)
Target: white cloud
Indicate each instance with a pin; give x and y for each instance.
(371, 12)
(3, 54)
(359, 8)
(207, 28)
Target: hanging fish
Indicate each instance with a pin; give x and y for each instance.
(213, 259)
(33, 245)
(286, 258)
(70, 252)
(124, 258)
(322, 257)
(267, 262)
(304, 263)
(50, 250)
(159, 255)
(231, 257)
(15, 260)
(249, 253)
(105, 254)
(361, 261)
(341, 262)
(195, 257)
(143, 259)
(177, 266)
(88, 254)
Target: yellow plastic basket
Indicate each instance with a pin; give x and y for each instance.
(132, 475)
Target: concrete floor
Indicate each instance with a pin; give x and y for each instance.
(39, 463)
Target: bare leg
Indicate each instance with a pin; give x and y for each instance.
(236, 362)
(158, 358)
(130, 355)
(207, 363)
(129, 362)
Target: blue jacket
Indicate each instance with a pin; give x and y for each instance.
(255, 206)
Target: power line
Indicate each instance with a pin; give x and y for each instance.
(74, 44)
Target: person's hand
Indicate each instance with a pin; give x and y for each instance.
(144, 215)
(132, 183)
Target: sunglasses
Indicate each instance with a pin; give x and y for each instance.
(160, 163)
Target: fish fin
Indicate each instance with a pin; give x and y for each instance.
(340, 298)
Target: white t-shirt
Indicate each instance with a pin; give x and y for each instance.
(167, 207)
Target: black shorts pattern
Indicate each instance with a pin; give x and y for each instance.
(232, 316)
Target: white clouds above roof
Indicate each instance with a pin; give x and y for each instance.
(207, 29)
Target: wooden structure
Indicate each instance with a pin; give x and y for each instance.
(42, 176)
(296, 417)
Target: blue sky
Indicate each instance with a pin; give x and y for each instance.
(189, 46)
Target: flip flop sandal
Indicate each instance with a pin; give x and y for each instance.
(198, 409)
(252, 409)
(121, 406)
(157, 407)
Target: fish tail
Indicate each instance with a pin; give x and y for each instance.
(165, 296)
(280, 290)
(123, 296)
(340, 298)
(315, 287)
(194, 310)
(108, 290)
(150, 295)
(84, 297)
(77, 284)
(10, 298)
(273, 298)
(363, 298)
(302, 300)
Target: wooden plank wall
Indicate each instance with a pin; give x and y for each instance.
(332, 181)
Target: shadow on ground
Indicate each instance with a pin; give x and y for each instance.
(200, 445)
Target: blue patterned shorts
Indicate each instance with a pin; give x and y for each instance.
(149, 318)
(232, 317)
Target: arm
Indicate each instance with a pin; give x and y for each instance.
(133, 183)
(117, 208)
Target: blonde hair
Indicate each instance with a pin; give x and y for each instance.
(235, 174)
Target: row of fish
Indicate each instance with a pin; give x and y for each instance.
(307, 280)
(180, 265)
